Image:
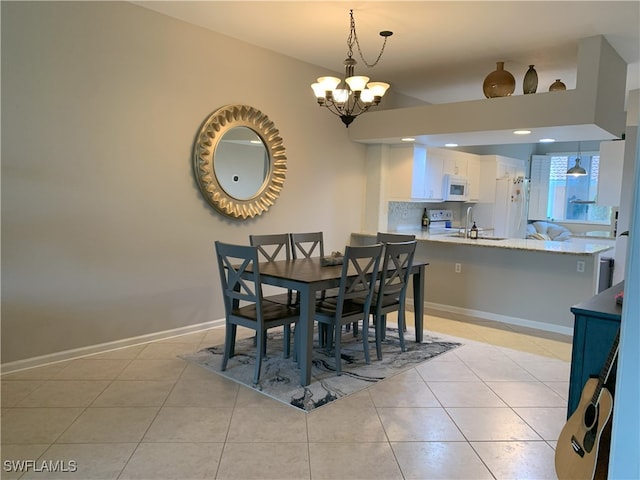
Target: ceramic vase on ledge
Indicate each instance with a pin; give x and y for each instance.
(530, 82)
(557, 86)
(499, 83)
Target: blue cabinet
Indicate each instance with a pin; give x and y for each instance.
(595, 326)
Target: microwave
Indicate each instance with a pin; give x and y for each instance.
(456, 188)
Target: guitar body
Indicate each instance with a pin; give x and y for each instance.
(579, 445)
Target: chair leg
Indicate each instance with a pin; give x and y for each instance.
(287, 341)
(229, 341)
(322, 335)
(330, 334)
(337, 330)
(401, 329)
(378, 326)
(259, 354)
(365, 339)
(264, 343)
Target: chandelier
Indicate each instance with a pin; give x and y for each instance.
(352, 95)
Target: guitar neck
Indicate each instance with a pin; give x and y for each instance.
(606, 369)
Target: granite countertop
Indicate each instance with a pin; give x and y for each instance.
(595, 234)
(509, 243)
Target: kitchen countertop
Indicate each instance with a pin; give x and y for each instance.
(595, 234)
(566, 247)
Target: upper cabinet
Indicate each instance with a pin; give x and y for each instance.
(610, 173)
(415, 172)
(398, 171)
(473, 176)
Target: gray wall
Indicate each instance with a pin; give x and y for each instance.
(105, 235)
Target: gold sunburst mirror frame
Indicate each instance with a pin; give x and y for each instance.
(222, 129)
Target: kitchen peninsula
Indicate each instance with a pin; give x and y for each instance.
(532, 283)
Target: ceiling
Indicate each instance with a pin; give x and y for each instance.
(440, 52)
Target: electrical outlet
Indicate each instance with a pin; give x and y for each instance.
(458, 267)
(580, 266)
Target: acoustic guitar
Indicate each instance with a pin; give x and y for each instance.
(579, 454)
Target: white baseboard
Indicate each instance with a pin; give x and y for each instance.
(27, 363)
(522, 322)
(12, 367)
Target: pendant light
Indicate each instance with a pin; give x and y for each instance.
(577, 170)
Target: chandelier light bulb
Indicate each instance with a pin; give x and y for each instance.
(341, 95)
(366, 96)
(357, 83)
(378, 88)
(318, 90)
(329, 83)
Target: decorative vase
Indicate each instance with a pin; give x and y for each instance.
(499, 83)
(557, 86)
(530, 82)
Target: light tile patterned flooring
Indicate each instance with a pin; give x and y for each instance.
(492, 408)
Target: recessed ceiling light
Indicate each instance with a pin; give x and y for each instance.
(408, 139)
(547, 140)
(522, 132)
(450, 144)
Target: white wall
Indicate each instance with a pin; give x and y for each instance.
(105, 235)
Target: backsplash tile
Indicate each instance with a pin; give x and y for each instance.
(408, 215)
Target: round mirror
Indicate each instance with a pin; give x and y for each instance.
(239, 161)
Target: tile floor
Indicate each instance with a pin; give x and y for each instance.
(490, 409)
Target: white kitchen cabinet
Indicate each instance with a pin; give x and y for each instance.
(610, 173)
(398, 172)
(473, 176)
(417, 172)
(433, 177)
(411, 173)
(440, 162)
(455, 163)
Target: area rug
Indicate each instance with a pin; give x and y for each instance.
(279, 377)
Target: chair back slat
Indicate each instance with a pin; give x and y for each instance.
(239, 284)
(395, 270)
(385, 238)
(307, 245)
(365, 260)
(272, 247)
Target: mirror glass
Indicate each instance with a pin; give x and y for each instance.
(241, 163)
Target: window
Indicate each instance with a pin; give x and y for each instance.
(556, 196)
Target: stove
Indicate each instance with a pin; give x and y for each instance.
(440, 219)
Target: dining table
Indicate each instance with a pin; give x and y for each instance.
(308, 276)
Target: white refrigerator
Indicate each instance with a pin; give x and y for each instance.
(510, 209)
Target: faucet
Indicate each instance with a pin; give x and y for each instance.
(467, 227)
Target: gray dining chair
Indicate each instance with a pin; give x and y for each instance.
(391, 292)
(240, 279)
(307, 245)
(353, 302)
(272, 247)
(382, 237)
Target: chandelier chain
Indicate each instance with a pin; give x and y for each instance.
(353, 38)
